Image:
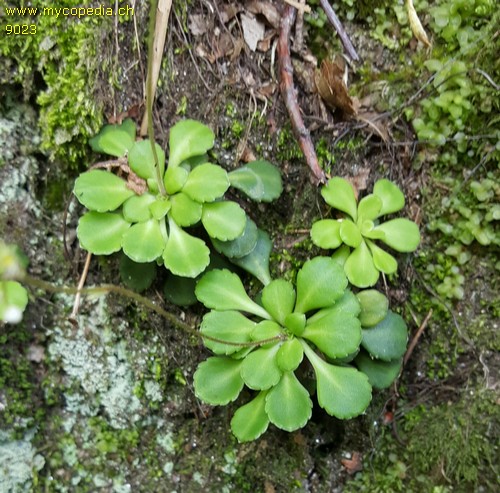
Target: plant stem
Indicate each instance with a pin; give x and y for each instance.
(127, 293)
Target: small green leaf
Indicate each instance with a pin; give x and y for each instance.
(223, 290)
(175, 178)
(341, 255)
(369, 208)
(13, 301)
(349, 233)
(380, 374)
(206, 183)
(374, 307)
(401, 234)
(259, 369)
(382, 260)
(223, 220)
(251, 421)
(343, 391)
(257, 261)
(142, 161)
(230, 326)
(360, 269)
(290, 355)
(217, 380)
(136, 208)
(240, 246)
(260, 180)
(115, 140)
(266, 329)
(320, 282)
(336, 334)
(160, 208)
(386, 340)
(278, 298)
(144, 242)
(326, 233)
(137, 276)
(101, 233)
(188, 138)
(347, 304)
(391, 196)
(338, 193)
(184, 254)
(185, 211)
(101, 191)
(295, 323)
(288, 404)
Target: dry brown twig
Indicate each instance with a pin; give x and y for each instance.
(290, 96)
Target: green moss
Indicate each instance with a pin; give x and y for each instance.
(68, 55)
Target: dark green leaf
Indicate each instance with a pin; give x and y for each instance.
(257, 261)
(260, 180)
(386, 340)
(240, 246)
(137, 276)
(380, 373)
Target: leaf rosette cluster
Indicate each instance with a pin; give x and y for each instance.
(145, 212)
(265, 347)
(359, 231)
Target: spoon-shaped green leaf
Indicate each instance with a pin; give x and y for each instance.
(220, 289)
(251, 421)
(217, 380)
(288, 404)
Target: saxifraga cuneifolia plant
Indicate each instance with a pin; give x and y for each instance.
(362, 228)
(351, 342)
(132, 211)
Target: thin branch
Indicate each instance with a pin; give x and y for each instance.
(33, 282)
(81, 283)
(344, 38)
(289, 95)
(416, 337)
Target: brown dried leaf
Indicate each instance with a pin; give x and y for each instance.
(197, 24)
(269, 11)
(332, 89)
(227, 12)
